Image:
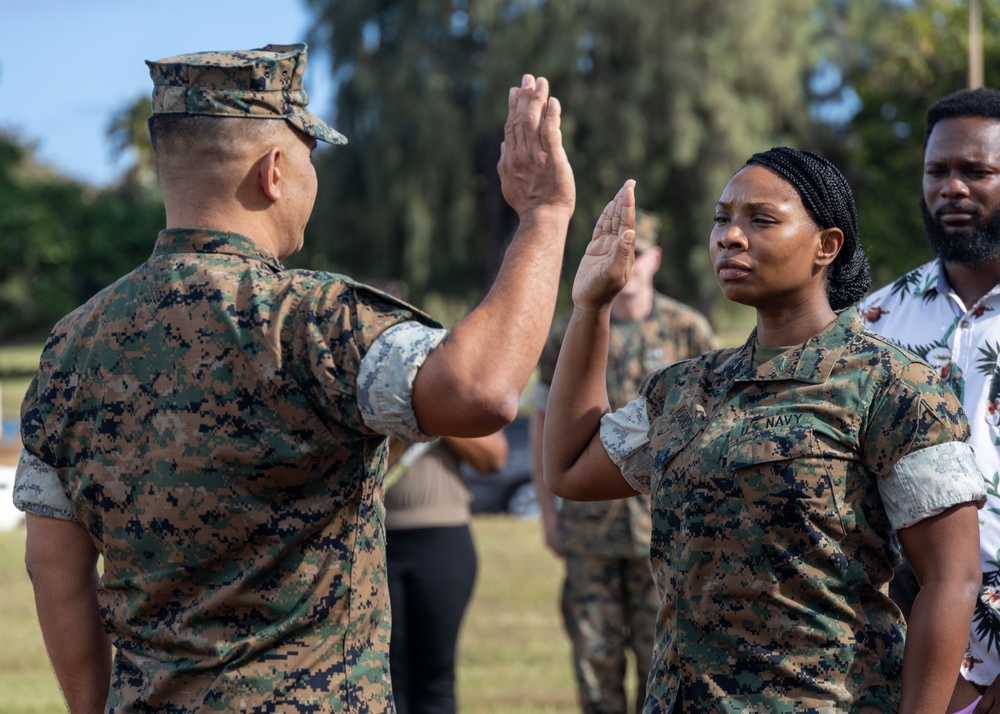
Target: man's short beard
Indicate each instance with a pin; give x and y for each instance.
(979, 245)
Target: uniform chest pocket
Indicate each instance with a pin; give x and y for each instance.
(785, 478)
(671, 434)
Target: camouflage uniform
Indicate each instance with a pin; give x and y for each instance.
(201, 415)
(609, 600)
(214, 422)
(252, 84)
(776, 492)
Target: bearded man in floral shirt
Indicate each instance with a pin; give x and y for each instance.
(948, 313)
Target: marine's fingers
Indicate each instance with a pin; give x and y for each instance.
(524, 98)
(535, 111)
(551, 133)
(612, 218)
(508, 127)
(628, 205)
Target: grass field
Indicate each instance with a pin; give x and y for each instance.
(513, 655)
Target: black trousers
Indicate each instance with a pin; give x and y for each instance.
(431, 574)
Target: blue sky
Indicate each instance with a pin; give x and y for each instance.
(66, 66)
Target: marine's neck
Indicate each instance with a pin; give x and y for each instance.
(629, 307)
(254, 225)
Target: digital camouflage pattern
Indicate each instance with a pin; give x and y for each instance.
(201, 416)
(265, 83)
(609, 599)
(920, 312)
(672, 332)
(609, 606)
(771, 546)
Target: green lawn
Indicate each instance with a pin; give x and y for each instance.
(514, 656)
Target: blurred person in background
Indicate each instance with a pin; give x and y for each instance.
(609, 599)
(430, 557)
(431, 563)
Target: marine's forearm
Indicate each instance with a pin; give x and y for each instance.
(62, 565)
(490, 355)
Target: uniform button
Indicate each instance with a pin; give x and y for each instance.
(965, 323)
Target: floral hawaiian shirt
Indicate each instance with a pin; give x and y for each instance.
(922, 313)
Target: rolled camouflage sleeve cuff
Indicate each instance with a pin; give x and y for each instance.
(539, 397)
(625, 435)
(926, 482)
(385, 379)
(37, 489)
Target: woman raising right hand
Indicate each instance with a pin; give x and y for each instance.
(780, 470)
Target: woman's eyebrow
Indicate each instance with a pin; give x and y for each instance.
(753, 205)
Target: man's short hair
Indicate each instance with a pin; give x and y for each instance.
(180, 130)
(982, 102)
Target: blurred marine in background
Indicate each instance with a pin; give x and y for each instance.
(609, 600)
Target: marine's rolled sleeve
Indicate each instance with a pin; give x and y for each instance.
(386, 375)
(926, 482)
(625, 436)
(37, 489)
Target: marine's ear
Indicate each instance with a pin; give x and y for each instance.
(269, 174)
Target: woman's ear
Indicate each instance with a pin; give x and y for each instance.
(269, 174)
(831, 240)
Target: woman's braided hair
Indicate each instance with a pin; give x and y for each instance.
(827, 196)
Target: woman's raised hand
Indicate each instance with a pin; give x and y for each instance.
(607, 263)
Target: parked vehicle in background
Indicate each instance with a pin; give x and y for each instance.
(511, 489)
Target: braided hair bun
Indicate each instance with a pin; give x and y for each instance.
(827, 196)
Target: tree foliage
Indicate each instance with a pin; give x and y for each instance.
(128, 134)
(62, 241)
(900, 58)
(676, 95)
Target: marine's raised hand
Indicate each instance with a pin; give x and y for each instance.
(534, 171)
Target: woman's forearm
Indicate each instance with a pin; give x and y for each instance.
(944, 553)
(578, 397)
(936, 637)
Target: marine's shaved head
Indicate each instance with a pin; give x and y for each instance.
(208, 148)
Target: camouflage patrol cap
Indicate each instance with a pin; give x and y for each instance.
(647, 230)
(265, 83)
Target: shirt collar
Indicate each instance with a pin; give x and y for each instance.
(811, 362)
(940, 281)
(208, 240)
(941, 285)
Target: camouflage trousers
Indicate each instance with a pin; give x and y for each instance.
(609, 606)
